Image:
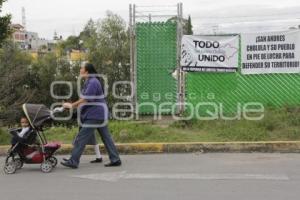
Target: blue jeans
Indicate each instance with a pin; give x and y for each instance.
(92, 141)
(86, 134)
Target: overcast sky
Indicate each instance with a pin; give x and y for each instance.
(68, 17)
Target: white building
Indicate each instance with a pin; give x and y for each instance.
(28, 40)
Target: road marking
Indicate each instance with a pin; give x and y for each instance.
(115, 176)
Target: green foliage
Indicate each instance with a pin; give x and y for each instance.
(5, 30)
(62, 134)
(107, 42)
(49, 68)
(72, 42)
(4, 137)
(189, 26)
(24, 80)
(15, 81)
(278, 125)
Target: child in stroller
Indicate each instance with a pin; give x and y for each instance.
(29, 144)
(20, 134)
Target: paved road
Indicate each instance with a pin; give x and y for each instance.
(162, 177)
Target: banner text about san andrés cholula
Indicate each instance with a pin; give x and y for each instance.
(272, 52)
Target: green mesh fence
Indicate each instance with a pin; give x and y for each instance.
(231, 89)
(274, 90)
(156, 60)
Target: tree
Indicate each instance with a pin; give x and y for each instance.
(72, 42)
(89, 32)
(15, 81)
(189, 26)
(107, 42)
(5, 30)
(50, 68)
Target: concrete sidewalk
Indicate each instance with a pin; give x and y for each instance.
(201, 147)
(212, 176)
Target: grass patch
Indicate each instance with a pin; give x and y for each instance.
(4, 136)
(277, 125)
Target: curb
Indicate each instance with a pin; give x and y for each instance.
(191, 147)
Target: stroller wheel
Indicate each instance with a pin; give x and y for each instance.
(10, 167)
(19, 163)
(53, 161)
(46, 166)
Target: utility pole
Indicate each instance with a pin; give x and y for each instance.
(23, 18)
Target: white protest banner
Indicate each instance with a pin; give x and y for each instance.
(209, 53)
(271, 52)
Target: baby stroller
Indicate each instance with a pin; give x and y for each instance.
(33, 148)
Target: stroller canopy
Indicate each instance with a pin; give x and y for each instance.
(36, 114)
